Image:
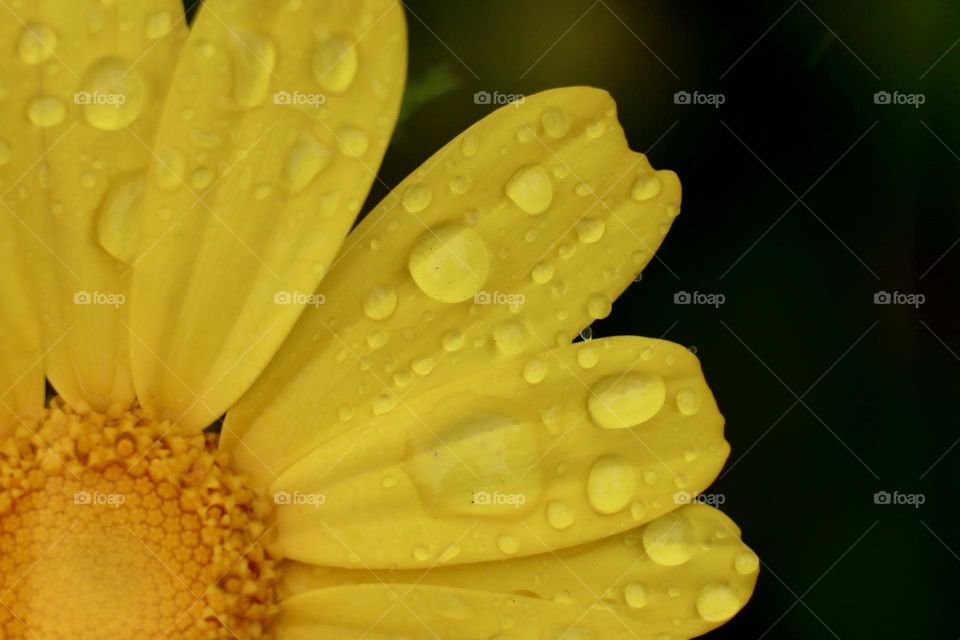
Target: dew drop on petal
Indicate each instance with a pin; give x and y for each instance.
(559, 515)
(718, 602)
(255, 59)
(555, 123)
(589, 230)
(449, 262)
(746, 563)
(335, 64)
(379, 303)
(530, 189)
(635, 594)
(542, 273)
(511, 337)
(158, 25)
(620, 402)
(688, 402)
(417, 198)
(669, 540)
(610, 484)
(46, 111)
(534, 370)
(599, 306)
(306, 159)
(646, 187)
(37, 43)
(508, 544)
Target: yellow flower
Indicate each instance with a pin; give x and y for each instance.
(412, 447)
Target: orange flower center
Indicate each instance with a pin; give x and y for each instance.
(118, 526)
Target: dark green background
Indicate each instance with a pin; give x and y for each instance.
(799, 308)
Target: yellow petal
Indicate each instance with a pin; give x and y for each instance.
(612, 588)
(82, 89)
(509, 241)
(21, 367)
(277, 121)
(498, 464)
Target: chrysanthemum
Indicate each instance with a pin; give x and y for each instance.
(412, 447)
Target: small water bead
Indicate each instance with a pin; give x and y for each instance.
(335, 64)
(542, 272)
(610, 484)
(525, 133)
(449, 262)
(201, 178)
(403, 378)
(88, 180)
(380, 303)
(561, 171)
(635, 594)
(352, 142)
(690, 454)
(586, 334)
(621, 402)
(422, 365)
(306, 159)
(582, 189)
(535, 370)
(459, 184)
(511, 336)
(555, 123)
(37, 43)
(417, 198)
(388, 482)
(672, 210)
(158, 25)
(345, 412)
(638, 510)
(646, 187)
(46, 111)
(508, 544)
(590, 230)
(559, 515)
(650, 477)
(682, 481)
(669, 540)
(588, 356)
(262, 191)
(421, 553)
(376, 339)
(470, 144)
(530, 235)
(718, 602)
(383, 404)
(452, 341)
(530, 189)
(595, 129)
(599, 306)
(746, 563)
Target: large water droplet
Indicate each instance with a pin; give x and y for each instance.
(511, 336)
(306, 159)
(718, 602)
(555, 123)
(530, 189)
(635, 594)
(746, 563)
(646, 187)
(669, 540)
(449, 262)
(542, 273)
(688, 402)
(560, 515)
(610, 484)
(534, 370)
(46, 111)
(620, 402)
(590, 230)
(118, 220)
(37, 43)
(335, 64)
(379, 303)
(417, 198)
(599, 306)
(113, 94)
(255, 58)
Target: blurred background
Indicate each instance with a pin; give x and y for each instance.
(819, 148)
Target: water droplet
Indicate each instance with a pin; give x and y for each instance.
(542, 273)
(379, 303)
(46, 111)
(459, 184)
(650, 477)
(421, 553)
(621, 402)
(525, 133)
(352, 142)
(113, 96)
(534, 370)
(563, 597)
(555, 123)
(511, 336)
(417, 198)
(746, 563)
(690, 454)
(118, 219)
(345, 412)
(638, 510)
(582, 189)
(599, 306)
(422, 366)
(688, 402)
(158, 25)
(635, 594)
(508, 544)
(453, 341)
(335, 64)
(590, 230)
(306, 159)
(383, 403)
(586, 334)
(530, 189)
(168, 169)
(646, 187)
(449, 262)
(201, 178)
(610, 484)
(37, 43)
(717, 602)
(560, 515)
(470, 144)
(669, 539)
(595, 129)
(588, 356)
(449, 554)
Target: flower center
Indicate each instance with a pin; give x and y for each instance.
(118, 526)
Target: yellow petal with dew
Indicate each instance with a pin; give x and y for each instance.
(609, 589)
(505, 243)
(495, 465)
(278, 118)
(81, 92)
